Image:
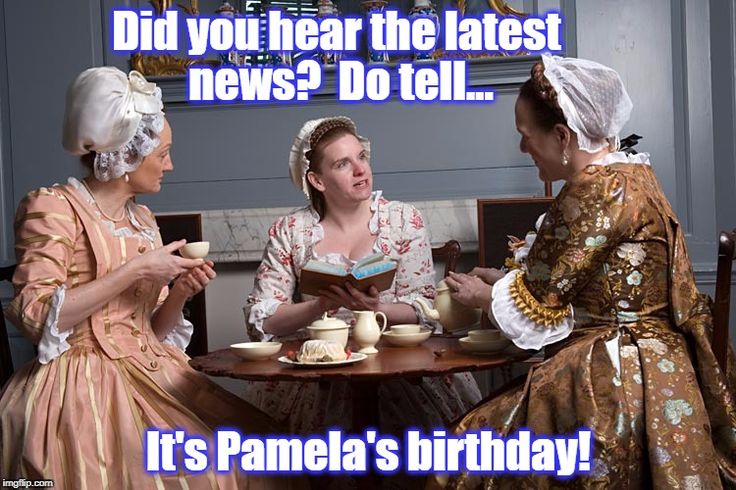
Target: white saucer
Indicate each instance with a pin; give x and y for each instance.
(406, 339)
(484, 346)
(354, 357)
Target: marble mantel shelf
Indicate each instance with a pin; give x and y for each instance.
(239, 235)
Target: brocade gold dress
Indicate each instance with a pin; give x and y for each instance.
(633, 358)
(78, 415)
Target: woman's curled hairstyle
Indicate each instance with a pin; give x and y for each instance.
(538, 91)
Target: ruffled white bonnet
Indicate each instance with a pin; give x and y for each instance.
(115, 115)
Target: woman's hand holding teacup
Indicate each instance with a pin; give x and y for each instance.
(469, 290)
(162, 266)
(489, 275)
(352, 299)
(194, 280)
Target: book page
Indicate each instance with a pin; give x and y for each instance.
(325, 268)
(376, 257)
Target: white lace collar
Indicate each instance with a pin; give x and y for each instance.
(622, 157)
(318, 233)
(141, 230)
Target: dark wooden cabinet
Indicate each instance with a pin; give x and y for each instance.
(188, 226)
(499, 218)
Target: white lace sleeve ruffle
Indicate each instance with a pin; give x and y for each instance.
(53, 343)
(180, 335)
(413, 300)
(260, 312)
(521, 253)
(620, 156)
(522, 331)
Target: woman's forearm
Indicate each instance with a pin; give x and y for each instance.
(289, 318)
(81, 302)
(168, 314)
(397, 313)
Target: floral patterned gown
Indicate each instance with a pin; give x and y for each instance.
(633, 359)
(78, 413)
(309, 408)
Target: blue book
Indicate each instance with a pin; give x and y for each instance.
(375, 270)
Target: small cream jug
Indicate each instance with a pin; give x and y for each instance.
(366, 331)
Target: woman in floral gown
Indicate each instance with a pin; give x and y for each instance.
(607, 286)
(91, 292)
(345, 221)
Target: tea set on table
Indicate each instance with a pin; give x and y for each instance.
(453, 315)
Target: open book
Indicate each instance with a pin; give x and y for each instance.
(375, 270)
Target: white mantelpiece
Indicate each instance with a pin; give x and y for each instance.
(239, 235)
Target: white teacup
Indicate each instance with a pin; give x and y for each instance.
(484, 335)
(404, 329)
(195, 250)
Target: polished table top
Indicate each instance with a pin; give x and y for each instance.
(435, 357)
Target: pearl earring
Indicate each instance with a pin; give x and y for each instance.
(127, 179)
(565, 160)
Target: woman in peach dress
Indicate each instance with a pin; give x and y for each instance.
(91, 292)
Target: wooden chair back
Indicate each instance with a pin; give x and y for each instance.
(722, 303)
(6, 358)
(449, 254)
(499, 218)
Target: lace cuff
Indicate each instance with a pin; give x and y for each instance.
(180, 335)
(530, 328)
(259, 313)
(53, 343)
(424, 320)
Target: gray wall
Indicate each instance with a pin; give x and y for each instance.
(676, 58)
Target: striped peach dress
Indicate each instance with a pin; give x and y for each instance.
(80, 418)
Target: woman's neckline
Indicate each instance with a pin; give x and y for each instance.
(115, 220)
(374, 227)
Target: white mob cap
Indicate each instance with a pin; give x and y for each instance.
(592, 98)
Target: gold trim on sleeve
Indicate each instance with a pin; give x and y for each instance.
(45, 191)
(533, 309)
(49, 281)
(46, 238)
(29, 259)
(45, 215)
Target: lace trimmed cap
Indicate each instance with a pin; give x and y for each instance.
(117, 116)
(592, 98)
(309, 136)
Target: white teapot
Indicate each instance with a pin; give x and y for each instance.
(452, 314)
(366, 331)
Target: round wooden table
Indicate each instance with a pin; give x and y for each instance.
(438, 356)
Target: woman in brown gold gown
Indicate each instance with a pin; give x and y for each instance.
(607, 285)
